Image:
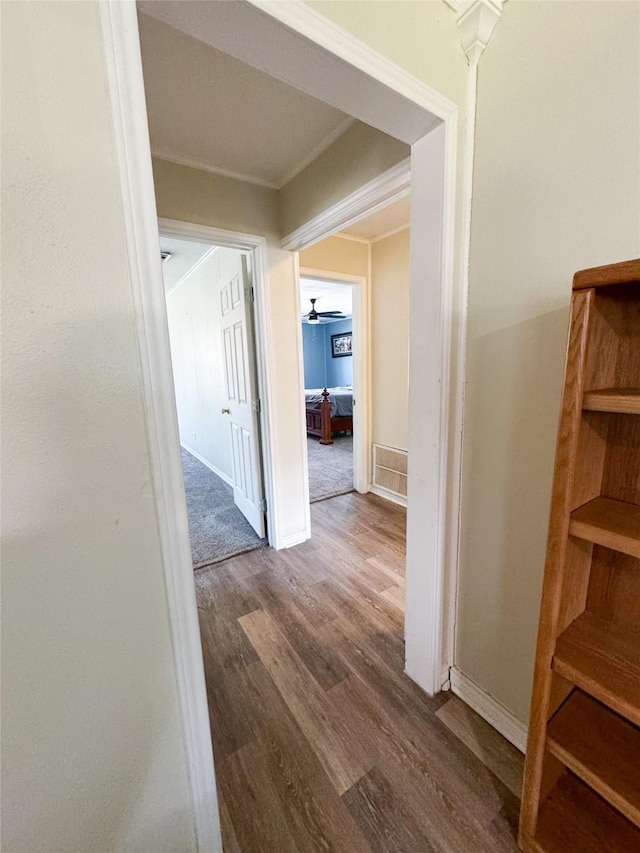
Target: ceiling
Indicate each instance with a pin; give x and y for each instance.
(204, 107)
(391, 218)
(331, 296)
(184, 256)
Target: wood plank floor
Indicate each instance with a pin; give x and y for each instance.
(321, 742)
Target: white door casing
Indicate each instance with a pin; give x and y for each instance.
(236, 305)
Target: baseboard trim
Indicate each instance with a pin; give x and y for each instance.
(388, 495)
(509, 726)
(292, 539)
(204, 461)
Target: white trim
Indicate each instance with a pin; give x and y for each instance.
(305, 21)
(390, 186)
(208, 464)
(502, 720)
(388, 495)
(361, 327)
(460, 309)
(294, 539)
(129, 113)
(195, 163)
(191, 270)
(343, 236)
(317, 150)
(264, 349)
(391, 233)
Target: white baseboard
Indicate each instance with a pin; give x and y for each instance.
(204, 461)
(388, 495)
(293, 539)
(509, 726)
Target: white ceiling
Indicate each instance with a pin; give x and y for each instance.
(204, 108)
(391, 218)
(184, 256)
(330, 297)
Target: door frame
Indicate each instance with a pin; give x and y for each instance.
(361, 316)
(256, 247)
(438, 298)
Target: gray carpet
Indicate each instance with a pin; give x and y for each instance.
(330, 467)
(217, 528)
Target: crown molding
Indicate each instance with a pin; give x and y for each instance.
(476, 21)
(319, 149)
(171, 156)
(388, 187)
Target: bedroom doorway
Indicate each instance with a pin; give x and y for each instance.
(208, 294)
(328, 343)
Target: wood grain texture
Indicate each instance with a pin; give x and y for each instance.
(601, 748)
(573, 818)
(615, 400)
(613, 524)
(624, 272)
(321, 742)
(603, 660)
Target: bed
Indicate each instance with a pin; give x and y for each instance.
(329, 411)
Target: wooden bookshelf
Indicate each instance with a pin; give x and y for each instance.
(581, 789)
(614, 524)
(604, 660)
(608, 765)
(624, 401)
(573, 817)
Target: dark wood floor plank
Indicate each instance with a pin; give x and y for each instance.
(383, 817)
(327, 732)
(321, 741)
(484, 741)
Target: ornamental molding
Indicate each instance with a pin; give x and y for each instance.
(476, 21)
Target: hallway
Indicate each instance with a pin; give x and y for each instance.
(320, 741)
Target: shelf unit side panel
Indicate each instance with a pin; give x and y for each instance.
(550, 612)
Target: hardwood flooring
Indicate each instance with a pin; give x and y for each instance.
(321, 742)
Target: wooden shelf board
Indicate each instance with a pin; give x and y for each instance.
(624, 401)
(613, 524)
(601, 748)
(575, 820)
(625, 272)
(602, 660)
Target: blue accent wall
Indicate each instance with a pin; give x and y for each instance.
(321, 370)
(339, 370)
(313, 353)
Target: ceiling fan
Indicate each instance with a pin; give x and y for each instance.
(314, 316)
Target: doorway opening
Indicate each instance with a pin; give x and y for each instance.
(328, 345)
(209, 299)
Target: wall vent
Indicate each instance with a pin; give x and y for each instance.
(390, 470)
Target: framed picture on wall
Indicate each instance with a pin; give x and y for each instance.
(341, 345)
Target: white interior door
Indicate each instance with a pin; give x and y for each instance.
(236, 309)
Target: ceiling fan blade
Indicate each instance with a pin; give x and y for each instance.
(330, 314)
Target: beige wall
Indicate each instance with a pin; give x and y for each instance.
(390, 340)
(335, 254)
(92, 748)
(207, 199)
(557, 188)
(359, 155)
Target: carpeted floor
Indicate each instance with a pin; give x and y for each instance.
(330, 467)
(217, 528)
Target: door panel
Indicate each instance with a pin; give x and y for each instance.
(236, 309)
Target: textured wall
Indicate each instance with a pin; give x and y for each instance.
(92, 748)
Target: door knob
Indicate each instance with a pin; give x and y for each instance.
(226, 411)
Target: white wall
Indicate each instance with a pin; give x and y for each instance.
(557, 188)
(193, 311)
(92, 747)
(203, 198)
